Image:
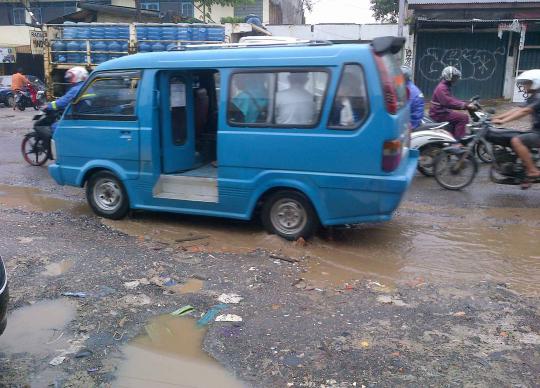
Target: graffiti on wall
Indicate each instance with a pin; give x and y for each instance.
(408, 60)
(474, 64)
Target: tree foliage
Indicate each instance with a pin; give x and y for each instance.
(385, 10)
(205, 6)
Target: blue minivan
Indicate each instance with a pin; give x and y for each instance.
(300, 134)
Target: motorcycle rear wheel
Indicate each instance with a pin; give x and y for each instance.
(483, 152)
(34, 150)
(455, 171)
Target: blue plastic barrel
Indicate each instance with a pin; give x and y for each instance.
(215, 34)
(124, 46)
(123, 32)
(145, 47)
(158, 46)
(83, 32)
(168, 33)
(198, 32)
(97, 32)
(183, 32)
(99, 45)
(154, 33)
(70, 32)
(114, 46)
(142, 33)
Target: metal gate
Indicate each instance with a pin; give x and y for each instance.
(481, 57)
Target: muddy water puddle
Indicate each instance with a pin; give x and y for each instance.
(36, 200)
(38, 329)
(57, 269)
(499, 244)
(169, 355)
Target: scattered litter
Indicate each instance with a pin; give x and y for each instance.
(459, 314)
(169, 283)
(183, 311)
(83, 353)
(211, 314)
(300, 284)
(252, 269)
(283, 258)
(57, 360)
(228, 318)
(92, 370)
(74, 294)
(132, 285)
(230, 298)
(136, 300)
(387, 299)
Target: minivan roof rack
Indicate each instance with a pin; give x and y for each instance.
(211, 46)
(385, 44)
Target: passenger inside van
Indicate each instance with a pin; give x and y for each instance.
(295, 105)
(350, 105)
(250, 103)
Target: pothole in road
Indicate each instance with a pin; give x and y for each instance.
(38, 329)
(169, 354)
(30, 198)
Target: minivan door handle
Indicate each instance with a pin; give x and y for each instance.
(125, 135)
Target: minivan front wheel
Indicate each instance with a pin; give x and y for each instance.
(289, 214)
(107, 196)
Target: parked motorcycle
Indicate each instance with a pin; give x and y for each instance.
(456, 167)
(36, 145)
(31, 97)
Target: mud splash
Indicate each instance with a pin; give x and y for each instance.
(437, 244)
(190, 286)
(35, 200)
(38, 329)
(170, 354)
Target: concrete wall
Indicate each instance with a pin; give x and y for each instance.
(218, 12)
(336, 32)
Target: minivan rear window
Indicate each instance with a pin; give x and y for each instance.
(396, 78)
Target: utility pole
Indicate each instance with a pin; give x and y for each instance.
(401, 17)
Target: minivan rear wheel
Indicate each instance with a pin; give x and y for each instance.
(289, 214)
(107, 196)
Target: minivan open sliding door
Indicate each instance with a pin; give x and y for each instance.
(177, 131)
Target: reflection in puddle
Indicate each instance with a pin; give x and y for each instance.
(170, 355)
(56, 269)
(38, 329)
(438, 244)
(36, 200)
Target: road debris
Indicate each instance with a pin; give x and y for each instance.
(230, 298)
(183, 311)
(228, 318)
(132, 285)
(57, 360)
(211, 314)
(75, 294)
(284, 258)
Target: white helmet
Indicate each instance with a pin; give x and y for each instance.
(532, 76)
(76, 74)
(450, 72)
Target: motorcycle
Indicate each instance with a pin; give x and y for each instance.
(456, 167)
(36, 145)
(30, 97)
(429, 139)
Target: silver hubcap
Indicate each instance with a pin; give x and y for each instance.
(107, 194)
(288, 216)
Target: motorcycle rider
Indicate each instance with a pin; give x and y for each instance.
(530, 80)
(444, 104)
(18, 83)
(416, 98)
(76, 77)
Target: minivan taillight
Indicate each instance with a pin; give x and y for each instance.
(391, 155)
(389, 90)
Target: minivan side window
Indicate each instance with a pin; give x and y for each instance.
(350, 106)
(277, 98)
(109, 96)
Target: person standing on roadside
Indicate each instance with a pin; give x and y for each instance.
(416, 98)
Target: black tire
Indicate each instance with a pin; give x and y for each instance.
(449, 165)
(34, 150)
(21, 107)
(107, 196)
(428, 153)
(483, 153)
(289, 214)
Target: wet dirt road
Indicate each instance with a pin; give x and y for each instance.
(486, 235)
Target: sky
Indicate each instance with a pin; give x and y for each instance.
(340, 11)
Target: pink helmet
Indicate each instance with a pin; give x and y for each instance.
(76, 74)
